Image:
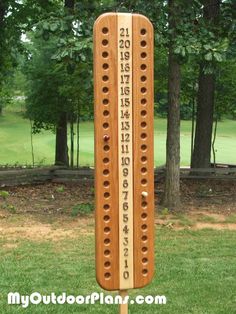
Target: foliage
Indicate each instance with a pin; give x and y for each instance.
(51, 89)
(57, 54)
(4, 194)
(82, 209)
(60, 189)
(225, 89)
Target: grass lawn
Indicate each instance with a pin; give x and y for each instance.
(195, 270)
(15, 142)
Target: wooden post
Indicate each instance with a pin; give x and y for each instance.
(123, 308)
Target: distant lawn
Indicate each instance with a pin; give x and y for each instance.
(15, 142)
(195, 270)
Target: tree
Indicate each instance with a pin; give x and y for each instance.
(16, 17)
(53, 88)
(73, 29)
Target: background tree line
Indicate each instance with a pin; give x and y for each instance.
(195, 69)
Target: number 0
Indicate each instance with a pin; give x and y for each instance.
(126, 274)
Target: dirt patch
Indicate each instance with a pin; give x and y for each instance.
(46, 198)
(213, 217)
(52, 211)
(36, 232)
(28, 228)
(10, 246)
(215, 226)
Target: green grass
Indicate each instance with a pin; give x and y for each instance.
(195, 270)
(230, 219)
(15, 142)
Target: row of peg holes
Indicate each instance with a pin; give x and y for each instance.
(143, 136)
(106, 149)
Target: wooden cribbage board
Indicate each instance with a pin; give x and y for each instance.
(124, 166)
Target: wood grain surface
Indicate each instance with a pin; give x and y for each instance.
(124, 169)
(125, 132)
(143, 162)
(106, 152)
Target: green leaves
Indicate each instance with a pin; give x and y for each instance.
(208, 56)
(54, 26)
(218, 56)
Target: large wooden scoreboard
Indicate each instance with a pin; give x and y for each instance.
(124, 167)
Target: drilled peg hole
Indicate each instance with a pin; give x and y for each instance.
(107, 264)
(144, 181)
(105, 42)
(106, 218)
(143, 55)
(144, 215)
(144, 260)
(143, 43)
(106, 148)
(143, 78)
(144, 204)
(143, 113)
(105, 90)
(107, 241)
(105, 30)
(107, 252)
(143, 31)
(106, 183)
(144, 170)
(143, 67)
(144, 271)
(106, 161)
(106, 113)
(144, 238)
(105, 78)
(143, 90)
(143, 101)
(107, 275)
(106, 172)
(105, 101)
(107, 230)
(105, 54)
(144, 249)
(106, 194)
(106, 207)
(144, 227)
(105, 125)
(143, 147)
(143, 158)
(143, 136)
(105, 66)
(143, 124)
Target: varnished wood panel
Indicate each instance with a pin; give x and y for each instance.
(125, 142)
(123, 84)
(106, 151)
(143, 151)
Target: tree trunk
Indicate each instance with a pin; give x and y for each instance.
(72, 143)
(193, 124)
(204, 121)
(205, 102)
(61, 156)
(172, 183)
(78, 135)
